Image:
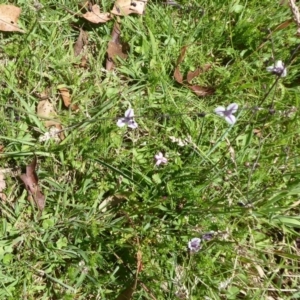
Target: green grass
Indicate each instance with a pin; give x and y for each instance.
(106, 200)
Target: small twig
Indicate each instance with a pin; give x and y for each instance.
(296, 14)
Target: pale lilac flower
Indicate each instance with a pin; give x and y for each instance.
(160, 159)
(128, 119)
(194, 245)
(278, 69)
(228, 112)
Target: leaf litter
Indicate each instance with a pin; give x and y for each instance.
(66, 97)
(96, 16)
(127, 294)
(9, 15)
(2, 186)
(199, 90)
(81, 41)
(46, 111)
(31, 182)
(115, 48)
(127, 7)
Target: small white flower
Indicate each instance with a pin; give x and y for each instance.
(194, 245)
(52, 134)
(128, 119)
(278, 69)
(228, 112)
(160, 159)
(224, 284)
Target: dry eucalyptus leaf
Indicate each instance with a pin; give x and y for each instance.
(30, 180)
(127, 7)
(95, 16)
(115, 48)
(81, 42)
(66, 97)
(2, 182)
(46, 110)
(9, 15)
(112, 201)
(200, 91)
(177, 75)
(127, 294)
(139, 261)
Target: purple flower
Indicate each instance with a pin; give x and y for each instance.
(278, 69)
(194, 245)
(160, 159)
(228, 112)
(128, 119)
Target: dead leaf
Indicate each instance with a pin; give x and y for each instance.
(81, 42)
(139, 267)
(200, 91)
(83, 62)
(1, 148)
(43, 95)
(2, 182)
(127, 7)
(182, 55)
(177, 75)
(9, 15)
(66, 97)
(257, 132)
(30, 180)
(192, 74)
(127, 293)
(46, 110)
(115, 48)
(277, 28)
(112, 201)
(95, 16)
(2, 186)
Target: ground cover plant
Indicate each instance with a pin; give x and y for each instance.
(150, 155)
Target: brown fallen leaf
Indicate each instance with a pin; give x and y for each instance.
(95, 16)
(46, 110)
(2, 186)
(200, 91)
(177, 75)
(81, 42)
(66, 97)
(43, 95)
(127, 7)
(277, 28)
(9, 15)
(139, 261)
(182, 55)
(127, 293)
(115, 48)
(257, 132)
(192, 74)
(30, 180)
